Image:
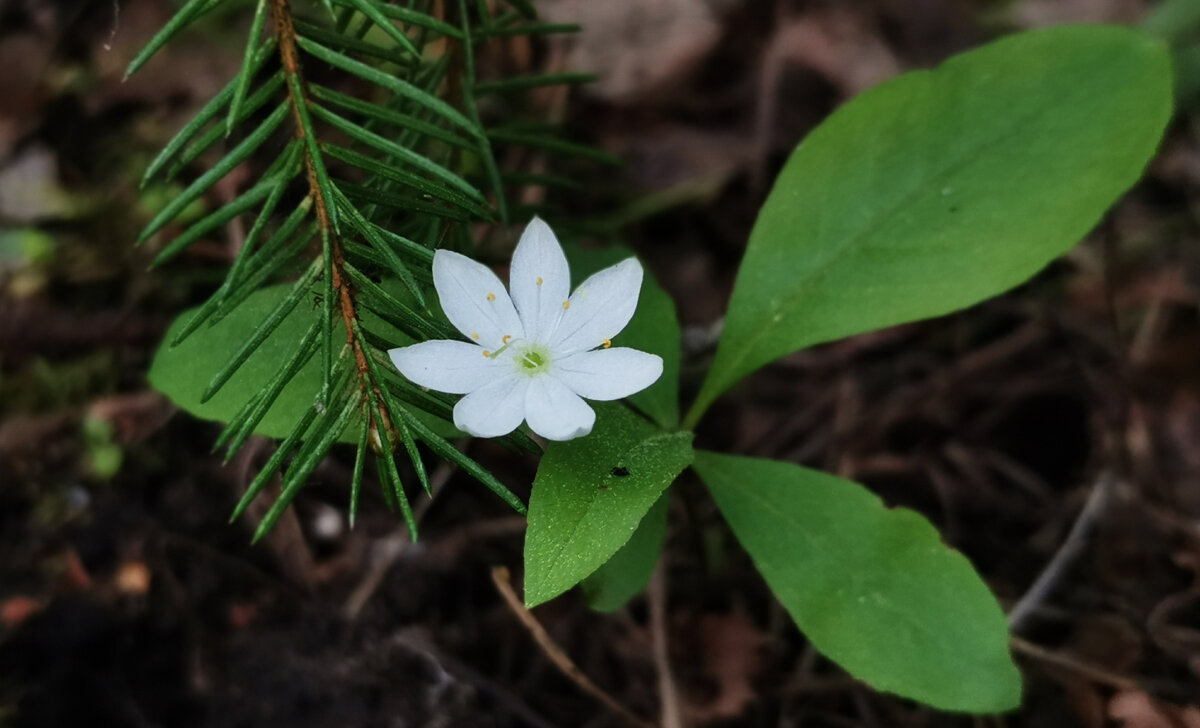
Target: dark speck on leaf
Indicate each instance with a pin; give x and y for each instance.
(620, 472)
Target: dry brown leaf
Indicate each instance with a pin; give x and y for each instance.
(1135, 709)
(16, 610)
(730, 654)
(637, 49)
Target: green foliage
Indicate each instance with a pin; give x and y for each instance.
(590, 494)
(938, 189)
(922, 196)
(625, 574)
(353, 194)
(873, 588)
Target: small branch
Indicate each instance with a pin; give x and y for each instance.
(285, 33)
(390, 548)
(671, 715)
(1091, 672)
(500, 577)
(1097, 501)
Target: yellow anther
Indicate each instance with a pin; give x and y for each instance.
(539, 280)
(505, 339)
(491, 296)
(475, 335)
(486, 352)
(566, 305)
(607, 343)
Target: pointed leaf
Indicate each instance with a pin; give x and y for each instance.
(387, 146)
(190, 11)
(183, 371)
(235, 157)
(873, 588)
(524, 83)
(389, 116)
(247, 69)
(590, 494)
(391, 83)
(540, 140)
(205, 115)
(941, 188)
(626, 574)
(411, 17)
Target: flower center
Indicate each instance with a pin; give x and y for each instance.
(531, 359)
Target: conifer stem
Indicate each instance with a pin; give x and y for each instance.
(285, 33)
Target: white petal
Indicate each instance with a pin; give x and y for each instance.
(474, 300)
(607, 374)
(539, 279)
(599, 308)
(448, 366)
(555, 412)
(494, 410)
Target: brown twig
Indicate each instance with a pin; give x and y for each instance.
(285, 33)
(1053, 572)
(1091, 672)
(501, 577)
(672, 716)
(390, 548)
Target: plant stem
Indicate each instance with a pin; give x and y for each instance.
(285, 33)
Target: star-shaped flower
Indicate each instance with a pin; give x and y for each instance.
(535, 355)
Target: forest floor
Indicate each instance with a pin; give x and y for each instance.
(1056, 425)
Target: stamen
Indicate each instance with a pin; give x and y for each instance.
(487, 353)
(475, 335)
(566, 305)
(607, 343)
(491, 296)
(506, 338)
(539, 280)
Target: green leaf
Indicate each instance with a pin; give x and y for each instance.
(387, 146)
(248, 65)
(528, 29)
(525, 8)
(235, 157)
(182, 372)
(543, 141)
(388, 116)
(348, 44)
(191, 10)
(411, 17)
(626, 574)
(873, 588)
(941, 188)
(653, 328)
(524, 83)
(372, 11)
(590, 494)
(202, 117)
(391, 83)
(328, 431)
(202, 143)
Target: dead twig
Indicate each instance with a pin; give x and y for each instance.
(671, 715)
(1059, 659)
(501, 577)
(1097, 502)
(386, 551)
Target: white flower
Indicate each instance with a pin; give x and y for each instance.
(532, 356)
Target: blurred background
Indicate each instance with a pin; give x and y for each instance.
(1065, 412)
